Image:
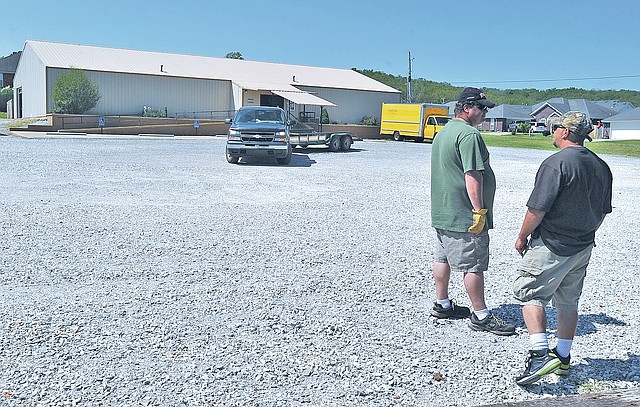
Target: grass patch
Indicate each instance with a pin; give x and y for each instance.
(3, 115)
(595, 386)
(625, 148)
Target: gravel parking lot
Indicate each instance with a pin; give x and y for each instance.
(151, 272)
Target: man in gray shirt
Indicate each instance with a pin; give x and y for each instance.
(571, 196)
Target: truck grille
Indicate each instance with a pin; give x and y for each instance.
(258, 137)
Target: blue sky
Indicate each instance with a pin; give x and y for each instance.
(503, 44)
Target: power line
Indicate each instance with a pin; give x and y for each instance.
(552, 80)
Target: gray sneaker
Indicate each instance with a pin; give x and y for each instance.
(563, 369)
(538, 364)
(491, 324)
(455, 311)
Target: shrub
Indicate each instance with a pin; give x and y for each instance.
(524, 127)
(148, 111)
(75, 93)
(324, 116)
(369, 121)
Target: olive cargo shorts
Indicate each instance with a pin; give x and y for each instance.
(543, 276)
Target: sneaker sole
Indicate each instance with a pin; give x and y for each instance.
(483, 329)
(562, 371)
(549, 367)
(438, 315)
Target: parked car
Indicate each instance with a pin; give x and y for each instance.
(537, 127)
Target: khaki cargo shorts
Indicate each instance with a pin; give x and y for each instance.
(543, 276)
(463, 251)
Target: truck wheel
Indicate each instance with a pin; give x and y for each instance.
(285, 160)
(345, 143)
(397, 136)
(231, 159)
(334, 143)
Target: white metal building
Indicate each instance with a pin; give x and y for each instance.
(193, 86)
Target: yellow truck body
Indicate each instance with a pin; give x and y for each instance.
(418, 121)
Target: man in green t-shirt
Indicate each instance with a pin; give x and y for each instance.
(462, 190)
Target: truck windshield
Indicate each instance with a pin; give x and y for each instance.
(260, 116)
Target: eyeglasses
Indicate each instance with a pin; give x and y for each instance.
(556, 127)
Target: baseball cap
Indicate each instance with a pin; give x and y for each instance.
(577, 122)
(475, 95)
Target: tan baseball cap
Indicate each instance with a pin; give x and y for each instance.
(576, 122)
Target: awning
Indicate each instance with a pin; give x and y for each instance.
(302, 98)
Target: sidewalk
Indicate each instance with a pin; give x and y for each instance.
(72, 135)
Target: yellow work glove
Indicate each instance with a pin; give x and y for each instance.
(479, 217)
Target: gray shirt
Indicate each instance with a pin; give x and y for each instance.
(573, 187)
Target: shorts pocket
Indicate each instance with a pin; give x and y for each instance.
(525, 285)
(535, 261)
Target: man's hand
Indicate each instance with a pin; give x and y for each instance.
(522, 245)
(479, 218)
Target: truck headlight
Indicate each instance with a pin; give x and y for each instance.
(234, 135)
(280, 136)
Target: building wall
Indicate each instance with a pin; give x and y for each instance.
(625, 130)
(30, 79)
(545, 113)
(127, 94)
(352, 105)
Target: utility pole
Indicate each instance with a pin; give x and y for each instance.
(409, 81)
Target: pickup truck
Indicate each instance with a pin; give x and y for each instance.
(258, 131)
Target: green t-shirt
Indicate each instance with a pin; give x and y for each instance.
(458, 148)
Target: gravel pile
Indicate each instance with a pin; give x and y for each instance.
(153, 273)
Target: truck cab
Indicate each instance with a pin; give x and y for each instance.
(258, 131)
(433, 125)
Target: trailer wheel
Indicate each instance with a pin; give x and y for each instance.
(397, 136)
(231, 159)
(345, 143)
(334, 143)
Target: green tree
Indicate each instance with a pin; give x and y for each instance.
(324, 116)
(423, 90)
(75, 93)
(234, 55)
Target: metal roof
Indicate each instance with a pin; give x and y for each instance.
(272, 76)
(303, 98)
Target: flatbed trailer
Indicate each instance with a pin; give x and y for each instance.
(336, 141)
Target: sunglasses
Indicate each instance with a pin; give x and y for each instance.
(556, 127)
(481, 107)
